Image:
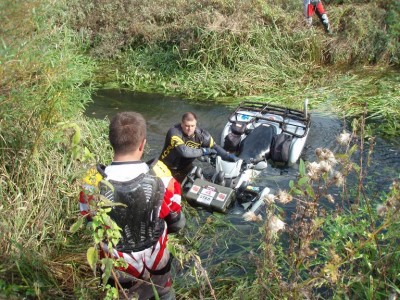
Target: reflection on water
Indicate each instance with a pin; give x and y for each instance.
(227, 243)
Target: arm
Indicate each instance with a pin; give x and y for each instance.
(208, 141)
(171, 209)
(188, 152)
(306, 3)
(224, 154)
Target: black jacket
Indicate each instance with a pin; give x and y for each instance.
(181, 150)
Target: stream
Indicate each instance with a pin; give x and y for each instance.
(226, 247)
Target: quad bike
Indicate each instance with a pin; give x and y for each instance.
(257, 133)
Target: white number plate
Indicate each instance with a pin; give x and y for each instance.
(204, 199)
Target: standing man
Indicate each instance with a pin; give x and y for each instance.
(311, 6)
(151, 210)
(185, 142)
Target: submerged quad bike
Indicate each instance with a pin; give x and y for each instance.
(257, 133)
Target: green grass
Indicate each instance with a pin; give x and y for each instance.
(210, 51)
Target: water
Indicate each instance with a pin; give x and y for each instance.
(160, 112)
(228, 241)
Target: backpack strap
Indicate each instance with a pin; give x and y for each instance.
(101, 169)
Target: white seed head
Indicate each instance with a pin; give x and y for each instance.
(252, 217)
(338, 179)
(325, 166)
(284, 197)
(269, 199)
(330, 198)
(313, 170)
(343, 138)
(381, 210)
(275, 224)
(318, 152)
(328, 156)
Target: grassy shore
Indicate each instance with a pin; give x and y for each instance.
(54, 54)
(226, 51)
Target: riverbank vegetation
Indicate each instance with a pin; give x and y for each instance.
(54, 54)
(229, 49)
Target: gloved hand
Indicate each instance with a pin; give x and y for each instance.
(208, 151)
(232, 157)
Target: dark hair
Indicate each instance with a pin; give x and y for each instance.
(126, 131)
(189, 116)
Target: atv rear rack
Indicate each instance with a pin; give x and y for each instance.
(261, 109)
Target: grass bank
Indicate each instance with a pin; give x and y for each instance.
(45, 80)
(226, 51)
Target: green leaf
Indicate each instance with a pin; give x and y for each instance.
(291, 183)
(310, 191)
(120, 263)
(303, 180)
(100, 233)
(105, 202)
(107, 220)
(353, 149)
(74, 228)
(77, 136)
(171, 249)
(92, 257)
(302, 168)
(96, 222)
(356, 167)
(108, 264)
(156, 296)
(298, 192)
(76, 153)
(87, 155)
(97, 239)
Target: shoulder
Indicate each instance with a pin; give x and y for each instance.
(126, 171)
(160, 169)
(205, 135)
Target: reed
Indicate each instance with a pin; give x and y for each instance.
(45, 80)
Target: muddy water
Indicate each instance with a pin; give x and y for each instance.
(227, 247)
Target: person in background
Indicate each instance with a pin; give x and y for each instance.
(311, 6)
(185, 142)
(152, 209)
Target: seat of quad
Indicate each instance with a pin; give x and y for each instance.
(257, 144)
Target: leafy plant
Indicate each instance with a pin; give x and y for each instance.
(338, 245)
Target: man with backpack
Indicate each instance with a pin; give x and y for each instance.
(151, 210)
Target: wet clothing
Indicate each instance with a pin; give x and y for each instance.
(181, 150)
(152, 198)
(139, 218)
(315, 6)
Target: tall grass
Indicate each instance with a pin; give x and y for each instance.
(45, 80)
(221, 50)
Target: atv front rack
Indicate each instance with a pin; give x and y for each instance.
(261, 111)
